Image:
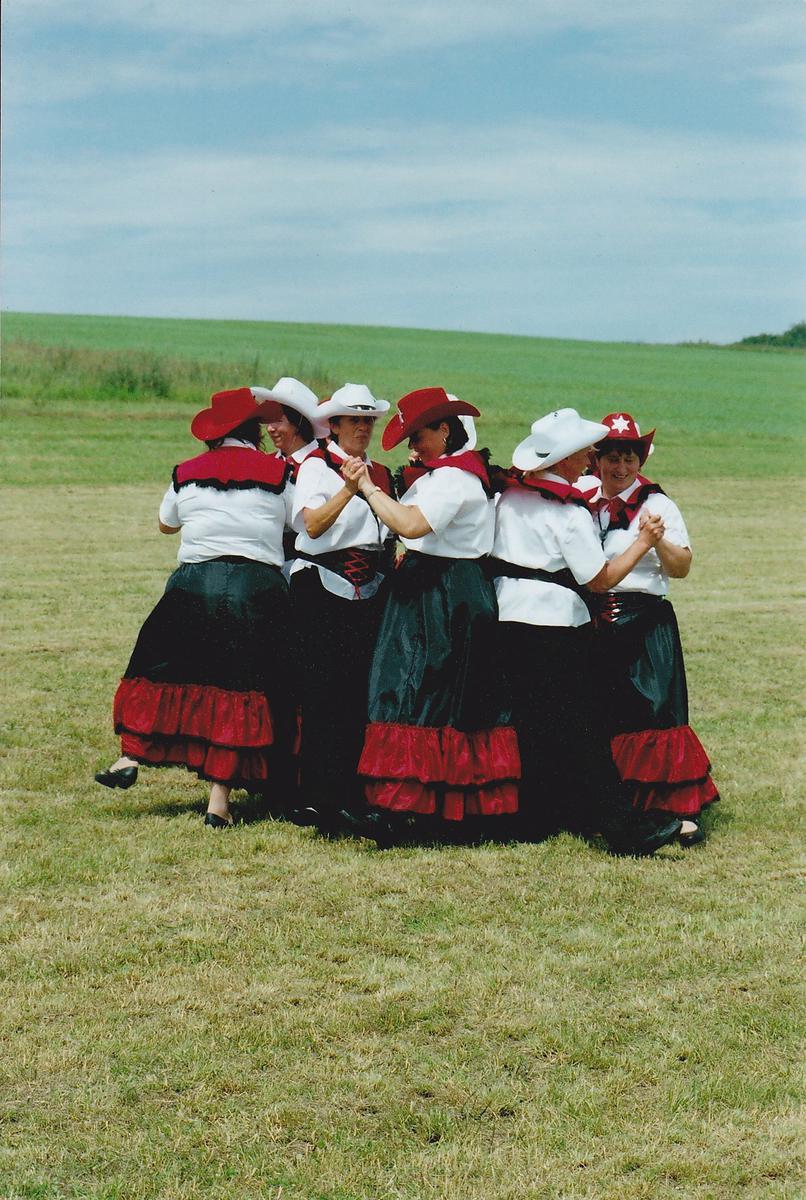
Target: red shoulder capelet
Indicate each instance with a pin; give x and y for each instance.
(380, 475)
(233, 467)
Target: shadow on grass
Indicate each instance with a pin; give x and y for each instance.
(403, 832)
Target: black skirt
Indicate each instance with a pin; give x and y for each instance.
(641, 678)
(208, 685)
(569, 780)
(337, 639)
(439, 737)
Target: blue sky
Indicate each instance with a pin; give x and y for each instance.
(629, 169)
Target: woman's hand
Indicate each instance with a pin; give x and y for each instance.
(651, 529)
(319, 520)
(355, 475)
(650, 534)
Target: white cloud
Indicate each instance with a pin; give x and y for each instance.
(544, 227)
(185, 38)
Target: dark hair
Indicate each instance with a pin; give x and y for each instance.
(300, 423)
(617, 444)
(457, 434)
(247, 431)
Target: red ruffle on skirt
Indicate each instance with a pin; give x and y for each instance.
(476, 772)
(222, 765)
(669, 767)
(195, 711)
(408, 795)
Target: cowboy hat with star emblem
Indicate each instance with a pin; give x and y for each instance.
(622, 428)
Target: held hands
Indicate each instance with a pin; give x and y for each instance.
(356, 475)
(651, 529)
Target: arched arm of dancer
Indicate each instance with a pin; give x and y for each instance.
(319, 520)
(406, 520)
(676, 560)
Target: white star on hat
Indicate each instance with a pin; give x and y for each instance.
(619, 424)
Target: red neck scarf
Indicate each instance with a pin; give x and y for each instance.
(623, 512)
(470, 461)
(549, 489)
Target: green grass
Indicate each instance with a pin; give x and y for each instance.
(721, 413)
(267, 1015)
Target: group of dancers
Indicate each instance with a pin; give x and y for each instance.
(455, 645)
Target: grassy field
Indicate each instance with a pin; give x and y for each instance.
(268, 1015)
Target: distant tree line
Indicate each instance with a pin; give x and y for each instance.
(794, 336)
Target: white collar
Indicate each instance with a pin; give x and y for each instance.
(297, 455)
(231, 441)
(303, 451)
(335, 448)
(625, 495)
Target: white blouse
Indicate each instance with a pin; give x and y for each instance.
(532, 531)
(461, 516)
(356, 524)
(648, 575)
(248, 522)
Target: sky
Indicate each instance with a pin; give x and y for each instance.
(625, 170)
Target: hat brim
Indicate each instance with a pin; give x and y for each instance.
(529, 454)
(311, 412)
(207, 428)
(399, 429)
(331, 408)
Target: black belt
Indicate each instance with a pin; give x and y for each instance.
(564, 577)
(498, 567)
(239, 558)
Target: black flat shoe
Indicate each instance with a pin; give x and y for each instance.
(366, 824)
(305, 816)
(695, 838)
(124, 778)
(643, 847)
(215, 822)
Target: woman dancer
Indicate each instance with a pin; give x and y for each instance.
(439, 739)
(199, 691)
(642, 675)
(546, 559)
(295, 425)
(336, 587)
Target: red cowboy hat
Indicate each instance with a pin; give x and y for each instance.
(624, 429)
(228, 410)
(421, 408)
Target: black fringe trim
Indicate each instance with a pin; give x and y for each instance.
(234, 485)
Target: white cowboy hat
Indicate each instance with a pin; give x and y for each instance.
(295, 394)
(554, 437)
(353, 400)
